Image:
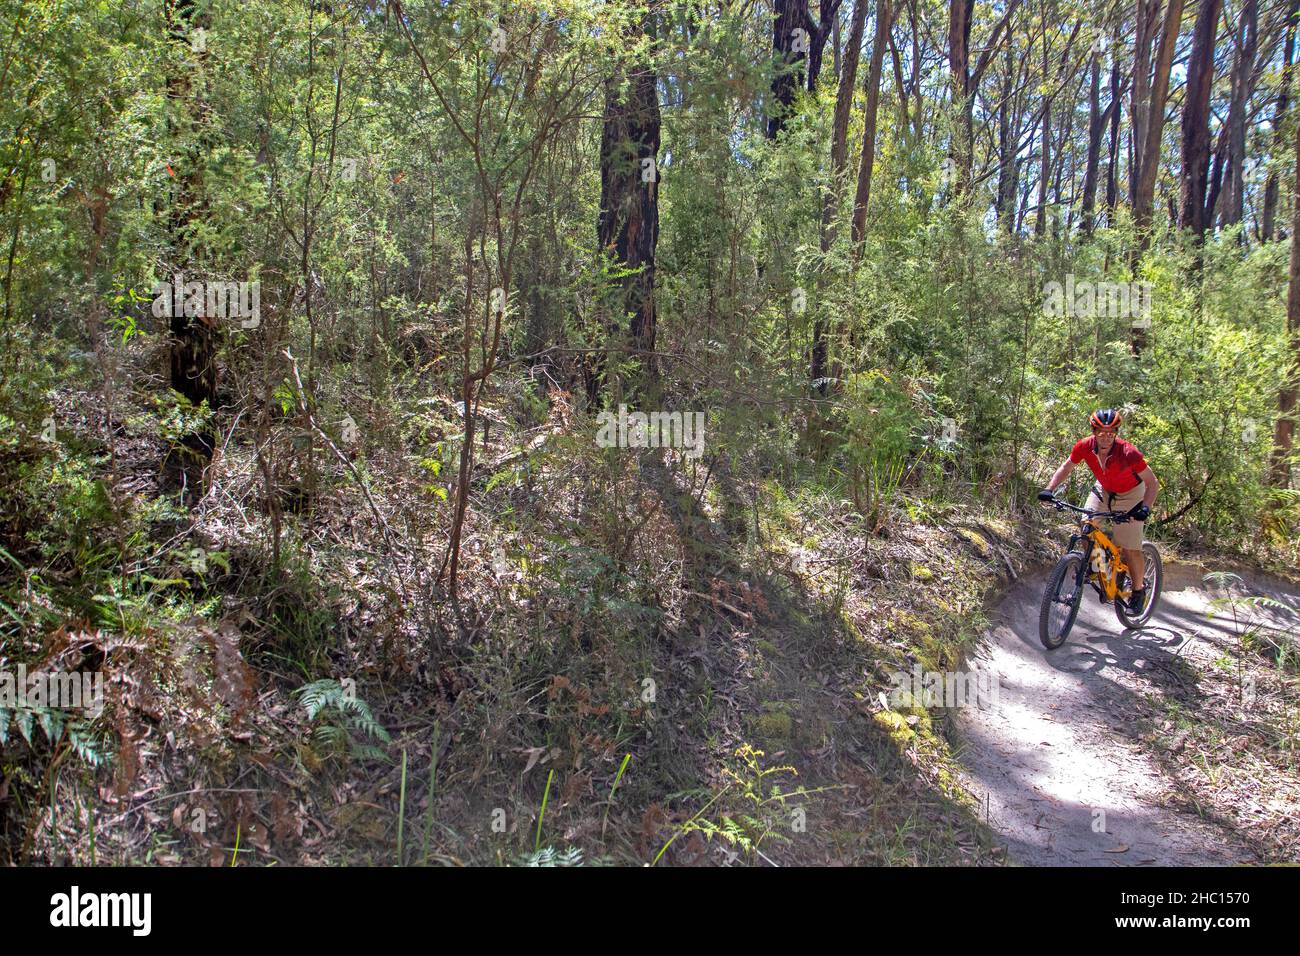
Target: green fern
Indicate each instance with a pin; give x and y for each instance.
(54, 723)
(88, 747)
(26, 720)
(548, 856)
(343, 720)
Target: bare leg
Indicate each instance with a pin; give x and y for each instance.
(1136, 562)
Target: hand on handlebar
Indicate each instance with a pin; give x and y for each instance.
(1116, 516)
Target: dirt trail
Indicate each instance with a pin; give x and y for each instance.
(1049, 757)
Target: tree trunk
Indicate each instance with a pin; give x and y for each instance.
(1216, 175)
(1150, 154)
(1284, 431)
(966, 79)
(884, 16)
(628, 225)
(818, 33)
(914, 82)
(193, 338)
(1112, 163)
(1008, 145)
(959, 26)
(1144, 26)
(840, 127)
(1268, 229)
(1196, 120)
(791, 42)
(1044, 150)
(1243, 65)
(1092, 162)
(848, 74)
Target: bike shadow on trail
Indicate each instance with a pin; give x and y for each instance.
(1062, 752)
(1150, 652)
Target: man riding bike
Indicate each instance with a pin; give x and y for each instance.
(1124, 481)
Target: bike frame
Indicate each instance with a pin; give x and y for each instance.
(1096, 538)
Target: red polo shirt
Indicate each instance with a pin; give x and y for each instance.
(1122, 468)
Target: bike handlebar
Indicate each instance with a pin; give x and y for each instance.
(1116, 516)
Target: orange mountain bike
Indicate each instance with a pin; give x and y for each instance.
(1092, 558)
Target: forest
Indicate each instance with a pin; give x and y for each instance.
(571, 432)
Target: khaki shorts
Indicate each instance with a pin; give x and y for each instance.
(1127, 534)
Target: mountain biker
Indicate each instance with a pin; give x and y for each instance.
(1126, 481)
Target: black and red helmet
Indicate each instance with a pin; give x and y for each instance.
(1108, 418)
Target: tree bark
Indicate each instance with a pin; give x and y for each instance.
(1112, 163)
(1008, 147)
(1150, 155)
(791, 42)
(839, 159)
(1044, 149)
(627, 227)
(1268, 227)
(1196, 119)
(819, 31)
(1284, 430)
(193, 371)
(1243, 66)
(966, 79)
(1092, 162)
(884, 17)
(1145, 19)
(960, 14)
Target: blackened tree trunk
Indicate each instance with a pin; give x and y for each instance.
(791, 42)
(193, 338)
(848, 77)
(819, 31)
(628, 224)
(1196, 120)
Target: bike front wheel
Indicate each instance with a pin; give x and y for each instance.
(1153, 578)
(1061, 600)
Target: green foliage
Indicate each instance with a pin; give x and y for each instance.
(1248, 614)
(548, 856)
(342, 721)
(381, 172)
(883, 434)
(752, 808)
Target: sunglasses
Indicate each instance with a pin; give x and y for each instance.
(1105, 431)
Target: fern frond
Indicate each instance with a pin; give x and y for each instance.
(25, 720)
(51, 722)
(88, 748)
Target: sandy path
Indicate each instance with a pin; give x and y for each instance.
(1061, 782)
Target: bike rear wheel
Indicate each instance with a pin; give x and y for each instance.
(1153, 578)
(1061, 600)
